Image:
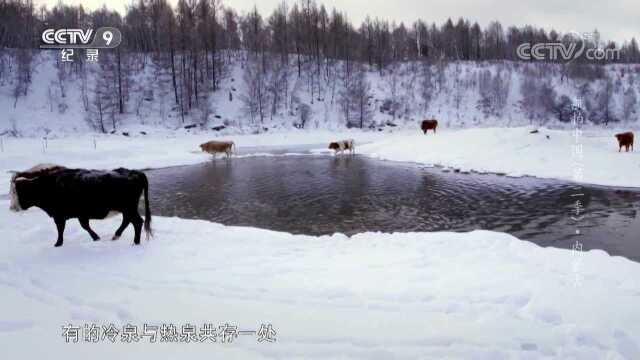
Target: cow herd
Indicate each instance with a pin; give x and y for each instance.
(85, 195)
(214, 147)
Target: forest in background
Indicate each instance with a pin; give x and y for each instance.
(202, 53)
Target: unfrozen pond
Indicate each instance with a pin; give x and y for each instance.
(316, 194)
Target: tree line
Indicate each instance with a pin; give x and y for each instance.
(195, 41)
(304, 29)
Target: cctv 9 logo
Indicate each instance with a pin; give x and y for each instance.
(107, 37)
(104, 38)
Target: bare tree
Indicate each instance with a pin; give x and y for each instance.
(427, 85)
(255, 99)
(101, 108)
(494, 91)
(355, 100)
(630, 103)
(23, 75)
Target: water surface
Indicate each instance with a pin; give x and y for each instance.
(316, 194)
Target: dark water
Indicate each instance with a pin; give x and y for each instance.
(323, 194)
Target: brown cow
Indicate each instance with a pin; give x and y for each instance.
(625, 139)
(428, 125)
(214, 147)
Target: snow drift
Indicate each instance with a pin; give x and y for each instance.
(517, 152)
(372, 295)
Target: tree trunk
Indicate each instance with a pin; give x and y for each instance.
(173, 76)
(213, 61)
(298, 54)
(195, 74)
(120, 99)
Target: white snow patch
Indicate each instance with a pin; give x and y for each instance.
(516, 152)
(155, 150)
(404, 295)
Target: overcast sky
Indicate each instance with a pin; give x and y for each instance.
(615, 19)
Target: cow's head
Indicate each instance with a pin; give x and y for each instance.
(24, 192)
(14, 204)
(13, 193)
(24, 189)
(334, 146)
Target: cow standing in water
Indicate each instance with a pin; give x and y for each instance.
(625, 139)
(429, 125)
(213, 147)
(342, 145)
(83, 194)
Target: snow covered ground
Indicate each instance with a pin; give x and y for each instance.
(477, 295)
(480, 295)
(517, 152)
(373, 295)
(512, 151)
(155, 150)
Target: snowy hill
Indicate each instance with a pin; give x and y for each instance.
(61, 99)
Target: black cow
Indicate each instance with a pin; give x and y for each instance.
(83, 194)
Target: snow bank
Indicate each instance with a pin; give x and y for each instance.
(512, 151)
(370, 296)
(515, 152)
(155, 150)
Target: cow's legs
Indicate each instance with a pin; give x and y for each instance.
(125, 223)
(84, 222)
(60, 225)
(136, 219)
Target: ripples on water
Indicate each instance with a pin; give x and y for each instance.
(311, 194)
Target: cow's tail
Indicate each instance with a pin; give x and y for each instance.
(147, 209)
